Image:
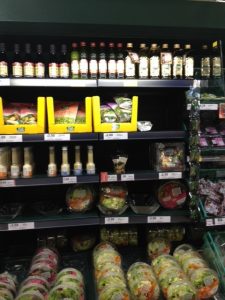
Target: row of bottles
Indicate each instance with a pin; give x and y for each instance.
(16, 162)
(113, 61)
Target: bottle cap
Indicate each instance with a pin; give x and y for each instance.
(102, 44)
(39, 48)
(52, 48)
(27, 47)
(16, 47)
(154, 46)
(65, 148)
(77, 147)
(111, 45)
(63, 48)
(129, 45)
(143, 45)
(204, 47)
(176, 46)
(119, 45)
(93, 44)
(83, 44)
(74, 45)
(165, 46)
(188, 46)
(2, 46)
(90, 147)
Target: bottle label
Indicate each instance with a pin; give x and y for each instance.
(52, 171)
(154, 66)
(166, 70)
(189, 67)
(17, 69)
(65, 171)
(216, 66)
(120, 68)
(177, 66)
(77, 171)
(130, 68)
(53, 70)
(93, 67)
(84, 68)
(91, 170)
(75, 67)
(64, 70)
(3, 172)
(112, 68)
(3, 69)
(166, 62)
(102, 65)
(28, 69)
(15, 171)
(39, 70)
(27, 171)
(143, 67)
(205, 66)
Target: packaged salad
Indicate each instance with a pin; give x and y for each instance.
(65, 291)
(182, 290)
(79, 198)
(35, 280)
(114, 293)
(32, 295)
(157, 247)
(163, 262)
(6, 294)
(126, 236)
(65, 112)
(83, 241)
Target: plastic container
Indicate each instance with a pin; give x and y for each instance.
(157, 247)
(70, 272)
(143, 204)
(82, 242)
(10, 210)
(182, 290)
(65, 291)
(34, 287)
(173, 234)
(163, 262)
(114, 293)
(35, 280)
(79, 198)
(32, 295)
(120, 236)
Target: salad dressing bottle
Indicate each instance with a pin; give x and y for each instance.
(3, 167)
(90, 166)
(52, 168)
(77, 168)
(65, 167)
(27, 167)
(15, 168)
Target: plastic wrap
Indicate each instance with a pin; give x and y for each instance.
(79, 198)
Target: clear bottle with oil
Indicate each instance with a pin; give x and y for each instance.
(15, 168)
(27, 166)
(65, 167)
(52, 167)
(90, 166)
(77, 167)
(3, 166)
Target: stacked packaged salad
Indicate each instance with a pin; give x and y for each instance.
(8, 286)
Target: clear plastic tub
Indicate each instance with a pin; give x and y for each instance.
(157, 247)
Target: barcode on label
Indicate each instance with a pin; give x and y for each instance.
(115, 136)
(117, 220)
(219, 221)
(170, 175)
(68, 180)
(209, 222)
(21, 226)
(210, 106)
(11, 138)
(159, 219)
(57, 137)
(7, 183)
(127, 177)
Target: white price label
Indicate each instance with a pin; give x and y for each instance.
(209, 222)
(11, 138)
(112, 178)
(127, 177)
(210, 106)
(117, 220)
(129, 82)
(69, 180)
(219, 221)
(4, 82)
(57, 137)
(115, 136)
(159, 219)
(7, 183)
(21, 226)
(170, 175)
(189, 106)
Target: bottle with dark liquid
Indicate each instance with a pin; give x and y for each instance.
(102, 63)
(216, 62)
(129, 64)
(188, 62)
(53, 64)
(17, 65)
(154, 62)
(28, 64)
(143, 71)
(177, 62)
(75, 57)
(205, 63)
(4, 72)
(112, 61)
(39, 67)
(120, 64)
(83, 61)
(93, 64)
(64, 69)
(166, 62)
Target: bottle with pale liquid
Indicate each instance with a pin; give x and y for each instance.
(65, 167)
(52, 168)
(15, 168)
(166, 62)
(143, 70)
(205, 63)
(188, 62)
(90, 166)
(3, 165)
(129, 64)
(154, 62)
(77, 167)
(27, 166)
(177, 62)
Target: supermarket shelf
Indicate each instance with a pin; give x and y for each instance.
(47, 181)
(212, 173)
(148, 135)
(160, 83)
(213, 151)
(48, 137)
(140, 175)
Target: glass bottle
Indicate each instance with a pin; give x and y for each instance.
(75, 56)
(39, 62)
(216, 62)
(64, 70)
(3, 165)
(65, 167)
(205, 63)
(166, 62)
(77, 167)
(53, 66)
(154, 62)
(17, 66)
(120, 64)
(27, 166)
(15, 169)
(4, 72)
(177, 62)
(102, 63)
(129, 65)
(28, 64)
(143, 70)
(93, 64)
(90, 166)
(112, 61)
(188, 62)
(52, 168)
(83, 61)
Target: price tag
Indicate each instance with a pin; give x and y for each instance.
(189, 106)
(127, 177)
(69, 180)
(219, 221)
(112, 178)
(209, 222)
(159, 219)
(117, 220)
(210, 106)
(115, 136)
(7, 183)
(16, 138)
(57, 137)
(4, 82)
(21, 226)
(170, 175)
(130, 83)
